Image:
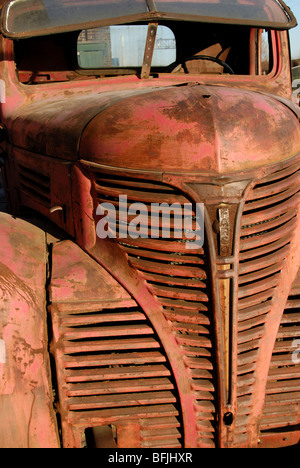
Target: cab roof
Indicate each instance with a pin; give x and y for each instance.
(26, 18)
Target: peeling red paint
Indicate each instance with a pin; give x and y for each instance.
(25, 385)
(152, 344)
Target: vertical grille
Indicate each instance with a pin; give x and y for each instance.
(177, 276)
(114, 371)
(282, 403)
(268, 225)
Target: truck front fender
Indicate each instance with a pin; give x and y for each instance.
(27, 417)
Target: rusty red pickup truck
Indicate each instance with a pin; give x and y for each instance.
(150, 256)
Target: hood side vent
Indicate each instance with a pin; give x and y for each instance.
(114, 372)
(35, 185)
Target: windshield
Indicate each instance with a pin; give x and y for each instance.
(25, 18)
(124, 46)
(178, 48)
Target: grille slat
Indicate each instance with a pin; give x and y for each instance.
(273, 223)
(277, 187)
(88, 375)
(123, 414)
(161, 255)
(114, 359)
(177, 269)
(179, 281)
(187, 316)
(113, 401)
(142, 196)
(267, 249)
(98, 332)
(118, 386)
(264, 262)
(274, 197)
(109, 345)
(268, 237)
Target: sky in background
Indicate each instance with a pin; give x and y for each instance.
(295, 33)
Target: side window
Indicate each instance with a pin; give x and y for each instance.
(265, 65)
(123, 46)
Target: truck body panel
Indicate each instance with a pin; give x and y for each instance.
(151, 299)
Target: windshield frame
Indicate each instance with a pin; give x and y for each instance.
(152, 15)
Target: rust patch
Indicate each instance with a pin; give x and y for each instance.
(23, 354)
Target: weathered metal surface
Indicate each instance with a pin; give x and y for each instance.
(204, 128)
(196, 116)
(25, 382)
(61, 120)
(74, 273)
(155, 345)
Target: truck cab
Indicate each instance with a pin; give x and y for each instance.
(150, 256)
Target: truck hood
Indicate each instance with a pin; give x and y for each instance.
(193, 128)
(53, 125)
(187, 127)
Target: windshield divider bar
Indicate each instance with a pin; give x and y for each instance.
(149, 49)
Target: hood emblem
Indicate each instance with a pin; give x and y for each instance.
(224, 232)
